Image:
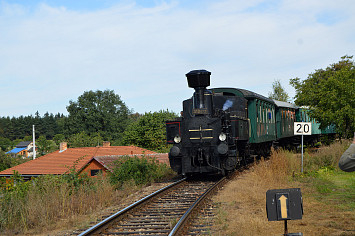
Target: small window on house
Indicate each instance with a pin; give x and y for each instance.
(95, 172)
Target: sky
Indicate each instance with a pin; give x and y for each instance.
(52, 51)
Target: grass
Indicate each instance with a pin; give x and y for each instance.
(334, 187)
(328, 195)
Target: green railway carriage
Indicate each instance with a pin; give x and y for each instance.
(285, 118)
(261, 114)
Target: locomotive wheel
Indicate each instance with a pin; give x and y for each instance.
(230, 163)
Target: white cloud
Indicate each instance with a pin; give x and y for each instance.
(50, 55)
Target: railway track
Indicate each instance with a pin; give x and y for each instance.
(168, 211)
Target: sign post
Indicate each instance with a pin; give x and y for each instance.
(302, 128)
(284, 204)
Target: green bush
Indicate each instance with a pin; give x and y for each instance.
(7, 161)
(140, 170)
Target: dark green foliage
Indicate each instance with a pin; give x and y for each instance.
(5, 144)
(140, 170)
(330, 95)
(21, 127)
(278, 92)
(99, 112)
(149, 131)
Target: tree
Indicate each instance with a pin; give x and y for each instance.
(100, 112)
(149, 131)
(82, 139)
(330, 95)
(5, 144)
(279, 92)
(44, 146)
(21, 127)
(58, 138)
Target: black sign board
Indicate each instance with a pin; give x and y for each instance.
(284, 204)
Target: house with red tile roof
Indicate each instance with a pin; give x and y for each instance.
(102, 164)
(82, 159)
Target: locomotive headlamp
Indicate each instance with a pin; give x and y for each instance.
(222, 137)
(177, 139)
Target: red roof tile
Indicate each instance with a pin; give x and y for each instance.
(60, 162)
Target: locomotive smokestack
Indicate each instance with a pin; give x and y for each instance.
(199, 80)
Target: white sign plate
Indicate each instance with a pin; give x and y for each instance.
(302, 128)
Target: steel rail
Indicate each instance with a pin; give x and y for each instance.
(178, 228)
(106, 221)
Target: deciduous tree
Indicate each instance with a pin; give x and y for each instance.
(278, 92)
(330, 95)
(97, 112)
(44, 146)
(149, 131)
(82, 139)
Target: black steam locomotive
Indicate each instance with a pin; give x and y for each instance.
(204, 137)
(221, 128)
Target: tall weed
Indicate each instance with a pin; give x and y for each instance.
(276, 169)
(325, 157)
(41, 202)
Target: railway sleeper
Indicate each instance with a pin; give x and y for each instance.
(155, 232)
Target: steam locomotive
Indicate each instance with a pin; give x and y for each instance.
(222, 128)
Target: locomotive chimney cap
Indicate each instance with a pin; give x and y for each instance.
(198, 78)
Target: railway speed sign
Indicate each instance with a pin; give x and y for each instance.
(302, 128)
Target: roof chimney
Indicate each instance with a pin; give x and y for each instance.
(106, 144)
(63, 146)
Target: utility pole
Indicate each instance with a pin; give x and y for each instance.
(34, 144)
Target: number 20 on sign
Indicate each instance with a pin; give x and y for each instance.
(302, 128)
